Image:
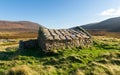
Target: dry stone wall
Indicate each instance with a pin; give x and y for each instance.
(30, 44)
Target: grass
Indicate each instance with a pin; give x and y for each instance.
(104, 33)
(18, 34)
(102, 59)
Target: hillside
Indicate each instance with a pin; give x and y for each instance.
(109, 28)
(18, 25)
(111, 25)
(18, 29)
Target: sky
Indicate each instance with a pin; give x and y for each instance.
(57, 14)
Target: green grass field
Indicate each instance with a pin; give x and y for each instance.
(101, 59)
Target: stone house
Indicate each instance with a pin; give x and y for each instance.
(50, 40)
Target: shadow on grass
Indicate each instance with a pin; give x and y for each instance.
(38, 53)
(9, 55)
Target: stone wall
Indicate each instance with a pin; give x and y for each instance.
(67, 44)
(30, 44)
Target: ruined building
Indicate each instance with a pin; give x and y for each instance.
(50, 40)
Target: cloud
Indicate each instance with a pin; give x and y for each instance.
(111, 12)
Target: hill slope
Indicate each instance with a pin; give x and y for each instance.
(18, 29)
(111, 25)
(109, 28)
(18, 25)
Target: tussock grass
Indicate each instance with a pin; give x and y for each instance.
(101, 59)
(21, 70)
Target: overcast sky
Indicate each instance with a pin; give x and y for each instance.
(59, 13)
